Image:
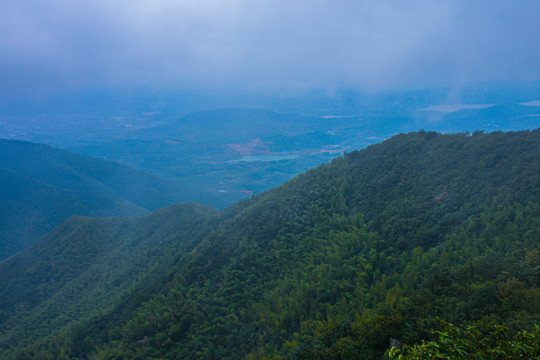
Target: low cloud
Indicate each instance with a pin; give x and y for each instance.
(220, 45)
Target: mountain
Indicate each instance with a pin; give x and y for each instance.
(40, 186)
(229, 125)
(501, 116)
(103, 262)
(375, 245)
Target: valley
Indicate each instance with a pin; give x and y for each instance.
(225, 155)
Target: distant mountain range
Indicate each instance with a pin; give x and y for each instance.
(504, 116)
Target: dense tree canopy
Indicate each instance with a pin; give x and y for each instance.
(338, 263)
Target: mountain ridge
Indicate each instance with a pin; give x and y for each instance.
(333, 263)
(41, 186)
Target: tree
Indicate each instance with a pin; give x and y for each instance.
(455, 343)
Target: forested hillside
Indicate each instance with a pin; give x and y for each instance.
(40, 186)
(98, 269)
(334, 264)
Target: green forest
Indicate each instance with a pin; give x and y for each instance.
(41, 186)
(423, 246)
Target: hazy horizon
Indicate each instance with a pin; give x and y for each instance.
(239, 48)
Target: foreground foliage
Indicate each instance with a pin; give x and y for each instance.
(469, 343)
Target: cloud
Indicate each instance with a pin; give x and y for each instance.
(263, 44)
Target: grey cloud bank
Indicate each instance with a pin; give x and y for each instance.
(262, 45)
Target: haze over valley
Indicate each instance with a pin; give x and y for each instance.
(227, 154)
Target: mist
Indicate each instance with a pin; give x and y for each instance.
(272, 47)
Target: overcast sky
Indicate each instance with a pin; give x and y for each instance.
(269, 45)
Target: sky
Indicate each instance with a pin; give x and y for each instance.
(220, 46)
